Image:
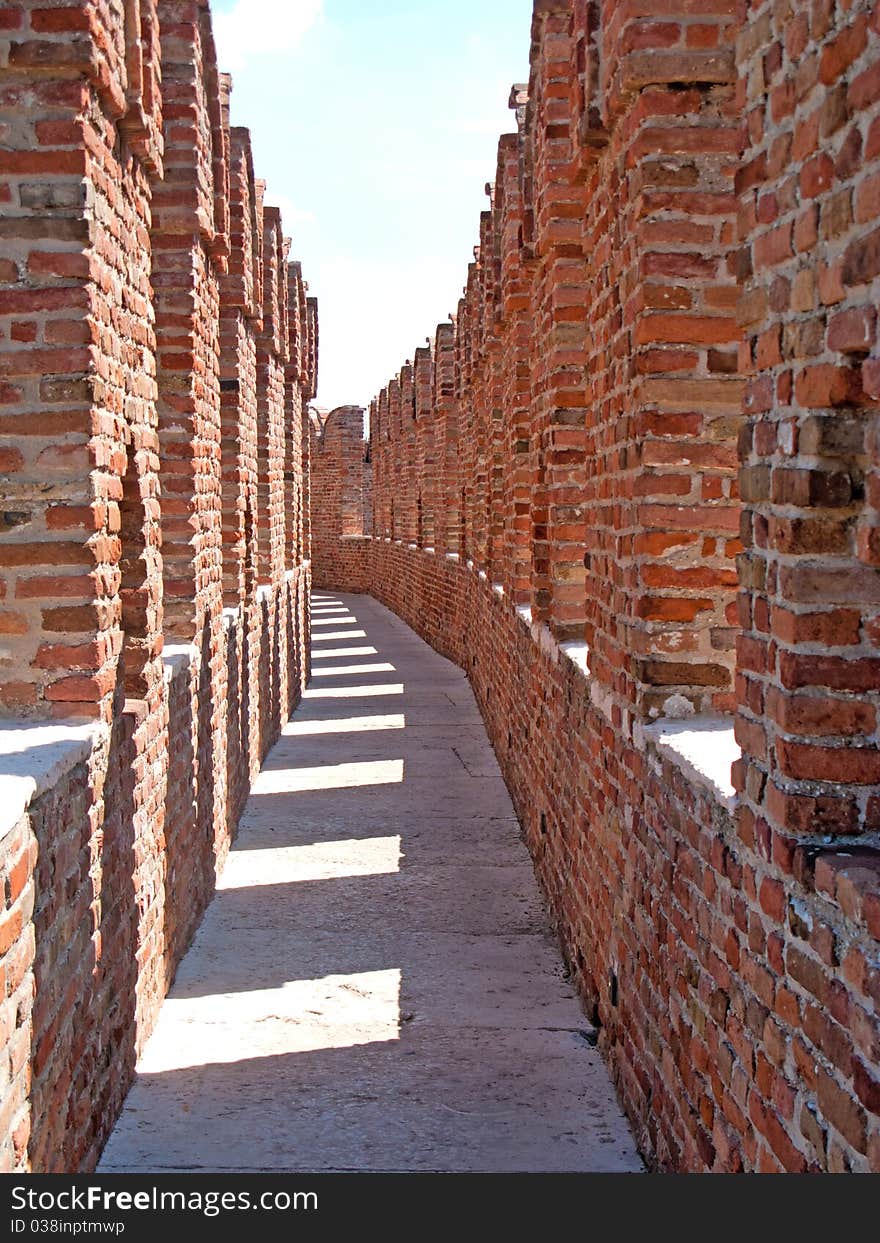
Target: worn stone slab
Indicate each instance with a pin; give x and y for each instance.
(447, 979)
(431, 1100)
(433, 840)
(474, 899)
(425, 750)
(447, 796)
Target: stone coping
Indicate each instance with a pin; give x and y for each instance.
(578, 653)
(177, 657)
(704, 747)
(34, 756)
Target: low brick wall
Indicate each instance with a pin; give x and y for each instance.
(346, 565)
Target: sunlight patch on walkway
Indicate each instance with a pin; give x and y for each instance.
(333, 860)
(336, 652)
(343, 725)
(353, 692)
(339, 634)
(329, 777)
(302, 1016)
(347, 620)
(336, 671)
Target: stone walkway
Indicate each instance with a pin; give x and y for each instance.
(374, 986)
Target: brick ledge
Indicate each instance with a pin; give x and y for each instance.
(34, 756)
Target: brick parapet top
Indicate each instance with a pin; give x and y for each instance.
(704, 747)
(35, 756)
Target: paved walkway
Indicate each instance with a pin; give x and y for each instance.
(374, 986)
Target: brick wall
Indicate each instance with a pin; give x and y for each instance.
(154, 567)
(672, 301)
(810, 588)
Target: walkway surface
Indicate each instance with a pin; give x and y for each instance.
(374, 986)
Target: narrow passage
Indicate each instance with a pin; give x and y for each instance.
(374, 986)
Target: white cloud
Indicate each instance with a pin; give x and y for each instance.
(291, 215)
(474, 125)
(255, 28)
(373, 314)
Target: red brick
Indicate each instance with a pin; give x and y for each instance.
(120, 258)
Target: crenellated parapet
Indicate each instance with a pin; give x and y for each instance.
(638, 504)
(154, 574)
(596, 384)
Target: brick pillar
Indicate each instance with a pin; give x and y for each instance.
(809, 669)
(272, 346)
(240, 311)
(297, 382)
(657, 154)
(514, 368)
(375, 455)
(189, 248)
(492, 362)
(465, 413)
(80, 570)
(397, 474)
(406, 452)
(479, 405)
(558, 299)
(448, 520)
(310, 392)
(426, 460)
(308, 439)
(384, 480)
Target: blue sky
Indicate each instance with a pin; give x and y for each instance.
(375, 124)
